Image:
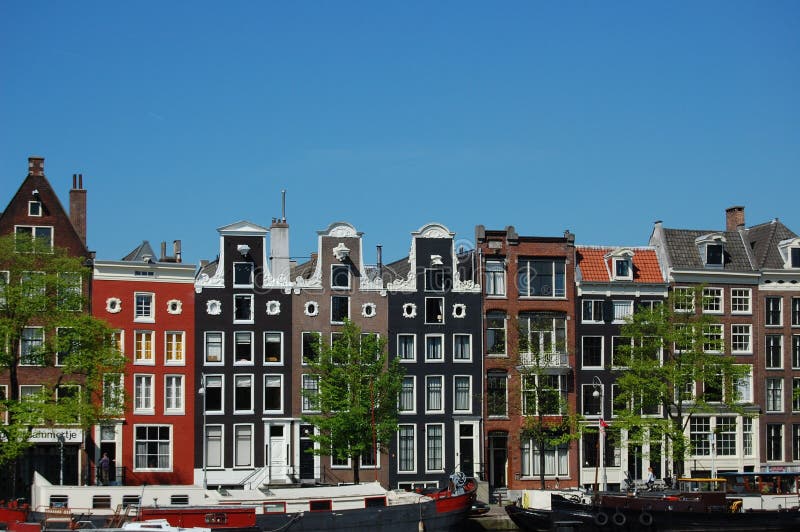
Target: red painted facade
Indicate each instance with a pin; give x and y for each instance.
(159, 348)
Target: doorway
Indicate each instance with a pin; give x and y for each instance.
(498, 459)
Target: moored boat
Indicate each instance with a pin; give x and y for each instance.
(337, 508)
(698, 504)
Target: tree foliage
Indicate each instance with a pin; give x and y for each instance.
(44, 323)
(673, 366)
(356, 398)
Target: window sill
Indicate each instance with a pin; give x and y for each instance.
(144, 320)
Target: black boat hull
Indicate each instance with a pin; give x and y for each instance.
(566, 514)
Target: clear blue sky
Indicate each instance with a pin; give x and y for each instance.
(597, 117)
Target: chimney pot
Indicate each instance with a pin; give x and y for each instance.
(36, 166)
(734, 218)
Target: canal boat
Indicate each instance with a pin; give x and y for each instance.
(342, 508)
(697, 504)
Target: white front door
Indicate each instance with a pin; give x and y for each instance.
(276, 452)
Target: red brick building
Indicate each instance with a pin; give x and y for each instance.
(36, 212)
(149, 300)
(529, 335)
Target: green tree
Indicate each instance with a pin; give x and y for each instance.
(43, 323)
(356, 397)
(674, 367)
(542, 353)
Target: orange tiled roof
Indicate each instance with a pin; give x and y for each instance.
(595, 268)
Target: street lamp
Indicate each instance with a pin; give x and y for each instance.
(202, 391)
(601, 433)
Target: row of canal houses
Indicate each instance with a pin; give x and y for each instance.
(216, 352)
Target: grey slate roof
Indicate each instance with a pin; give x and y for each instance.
(684, 255)
(764, 240)
(138, 254)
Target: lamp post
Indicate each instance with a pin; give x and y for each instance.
(601, 433)
(60, 438)
(202, 391)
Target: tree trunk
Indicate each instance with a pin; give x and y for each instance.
(356, 479)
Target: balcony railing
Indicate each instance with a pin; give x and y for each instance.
(545, 360)
(116, 476)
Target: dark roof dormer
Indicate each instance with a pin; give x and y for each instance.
(790, 253)
(711, 248)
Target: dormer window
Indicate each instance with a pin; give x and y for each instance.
(790, 251)
(712, 250)
(714, 254)
(621, 263)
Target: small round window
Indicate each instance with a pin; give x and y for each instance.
(368, 310)
(174, 306)
(409, 310)
(459, 310)
(273, 308)
(213, 307)
(311, 308)
(113, 305)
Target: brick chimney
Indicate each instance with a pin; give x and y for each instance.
(77, 206)
(36, 166)
(734, 218)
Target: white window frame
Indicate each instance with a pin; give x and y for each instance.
(413, 348)
(741, 334)
(304, 401)
(279, 410)
(22, 342)
(335, 267)
(628, 261)
(236, 378)
(249, 319)
(170, 351)
(468, 359)
(142, 403)
(679, 294)
(782, 445)
(138, 359)
(33, 236)
(620, 304)
(413, 409)
(303, 335)
(249, 336)
(67, 288)
(279, 362)
(179, 398)
(31, 212)
(348, 307)
(412, 449)
(779, 299)
(490, 292)
(441, 344)
(443, 458)
(776, 406)
(501, 377)
(468, 409)
(713, 300)
(718, 330)
(216, 378)
(57, 361)
(602, 350)
(171, 447)
(236, 455)
(209, 463)
(113, 389)
(150, 316)
(591, 315)
(738, 297)
(767, 355)
(249, 284)
(221, 360)
(442, 320)
(442, 394)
